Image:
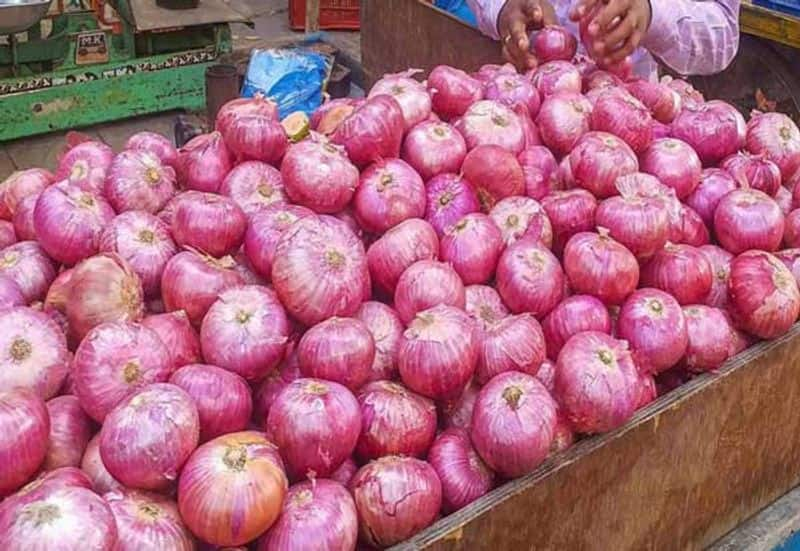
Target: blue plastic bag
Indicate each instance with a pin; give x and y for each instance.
(458, 8)
(293, 78)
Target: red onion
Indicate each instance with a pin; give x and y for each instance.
(784, 199)
(682, 271)
(570, 212)
(539, 169)
(23, 226)
(19, 185)
(598, 159)
(574, 315)
(453, 91)
(720, 261)
(490, 70)
(748, 219)
(709, 337)
(764, 298)
(597, 383)
(156, 144)
(115, 360)
(24, 418)
(103, 288)
(315, 424)
(563, 118)
(137, 180)
(178, 335)
(663, 102)
(515, 343)
(693, 231)
(754, 171)
(399, 248)
(438, 353)
(488, 122)
(411, 95)
(529, 129)
(513, 423)
(319, 176)
(433, 148)
(254, 186)
(345, 473)
(204, 162)
(8, 235)
(395, 497)
(625, 117)
(316, 514)
(714, 130)
(395, 421)
(556, 77)
(449, 198)
(33, 352)
(598, 265)
(68, 222)
(209, 223)
(240, 107)
(640, 223)
(775, 136)
(484, 305)
(714, 184)
(494, 173)
(601, 80)
(265, 394)
(427, 283)
(265, 229)
(247, 465)
(70, 430)
(518, 217)
(791, 233)
(389, 192)
(245, 331)
(328, 116)
(791, 259)
(554, 43)
(653, 324)
(92, 465)
(457, 413)
(148, 521)
(29, 267)
(256, 137)
(472, 246)
(463, 474)
(222, 398)
(674, 163)
(386, 329)
(59, 518)
(320, 270)
(85, 166)
(338, 349)
(62, 477)
(10, 293)
(513, 89)
(192, 282)
(529, 278)
(689, 96)
(374, 131)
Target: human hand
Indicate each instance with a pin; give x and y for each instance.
(516, 19)
(616, 29)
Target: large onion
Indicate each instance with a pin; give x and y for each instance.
(256, 137)
(680, 270)
(714, 184)
(488, 122)
(714, 129)
(70, 430)
(674, 163)
(776, 136)
(494, 173)
(210, 223)
(748, 219)
(387, 330)
(319, 176)
(245, 331)
(598, 159)
(753, 171)
(204, 162)
(137, 180)
(338, 349)
(624, 116)
(554, 43)
(574, 315)
(518, 217)
(411, 95)
(85, 166)
(570, 212)
(178, 335)
(472, 246)
(433, 148)
(449, 198)
(427, 283)
(640, 223)
(240, 107)
(529, 278)
(156, 144)
(18, 186)
(148, 521)
(23, 415)
(555, 77)
(389, 192)
(709, 337)
(563, 118)
(515, 343)
(399, 248)
(374, 131)
(598, 265)
(463, 474)
(254, 186)
(452, 91)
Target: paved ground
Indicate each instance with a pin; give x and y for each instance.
(271, 21)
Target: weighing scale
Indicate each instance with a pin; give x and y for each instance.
(71, 63)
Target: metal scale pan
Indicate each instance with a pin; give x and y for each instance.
(20, 15)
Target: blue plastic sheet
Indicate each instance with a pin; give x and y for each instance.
(294, 78)
(458, 8)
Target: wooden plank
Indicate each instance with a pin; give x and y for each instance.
(767, 530)
(312, 16)
(770, 24)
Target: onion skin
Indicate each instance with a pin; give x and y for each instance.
(148, 437)
(192, 282)
(625, 117)
(597, 383)
(319, 176)
(10, 293)
(264, 229)
(103, 289)
(488, 122)
(156, 144)
(452, 91)
(386, 329)
(598, 159)
(714, 129)
(653, 324)
(395, 421)
(19, 185)
(178, 335)
(539, 169)
(68, 222)
(395, 497)
(598, 265)
(449, 198)
(529, 278)
(463, 474)
(776, 136)
(675, 164)
(222, 398)
(318, 514)
(320, 270)
(521, 216)
(399, 248)
(148, 521)
(439, 352)
(515, 343)
(137, 180)
(411, 95)
(513, 423)
(639, 223)
(209, 223)
(748, 219)
(494, 174)
(570, 212)
(573, 315)
(248, 466)
(714, 184)
(204, 162)
(764, 298)
(316, 425)
(245, 331)
(254, 186)
(85, 165)
(92, 465)
(24, 415)
(425, 284)
(433, 148)
(753, 171)
(709, 337)
(472, 246)
(70, 431)
(374, 131)
(338, 349)
(115, 360)
(484, 305)
(563, 118)
(389, 192)
(682, 271)
(33, 352)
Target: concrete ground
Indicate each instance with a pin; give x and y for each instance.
(271, 28)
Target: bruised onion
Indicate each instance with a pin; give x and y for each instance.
(563, 118)
(775, 136)
(85, 166)
(156, 144)
(374, 131)
(574, 315)
(254, 186)
(411, 95)
(625, 117)
(598, 265)
(386, 329)
(714, 184)
(514, 343)
(399, 248)
(720, 261)
(318, 175)
(713, 129)
(338, 349)
(452, 91)
(598, 159)
(570, 212)
(449, 198)
(389, 192)
(539, 169)
(22, 414)
(204, 162)
(148, 521)
(519, 217)
(529, 278)
(70, 430)
(433, 148)
(748, 219)
(463, 474)
(472, 247)
(137, 180)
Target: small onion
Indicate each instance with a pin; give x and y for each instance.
(70, 431)
(598, 159)
(513, 89)
(395, 497)
(115, 360)
(452, 91)
(776, 136)
(247, 465)
(720, 261)
(389, 192)
(19, 185)
(85, 166)
(449, 198)
(714, 184)
(714, 129)
(315, 424)
(386, 329)
(222, 398)
(264, 229)
(519, 217)
(472, 246)
(555, 77)
(254, 186)
(338, 349)
(488, 122)
(68, 222)
(10, 293)
(663, 102)
(318, 175)
(463, 474)
(529, 278)
(178, 335)
(156, 144)
(748, 219)
(374, 131)
(709, 337)
(411, 95)
(674, 163)
(148, 521)
(92, 465)
(210, 223)
(204, 162)
(513, 423)
(23, 415)
(563, 118)
(138, 181)
(598, 265)
(245, 331)
(570, 212)
(256, 137)
(753, 171)
(240, 107)
(539, 169)
(399, 248)
(438, 353)
(484, 305)
(597, 383)
(623, 116)
(682, 271)
(434, 148)
(427, 283)
(574, 315)
(457, 413)
(764, 298)
(554, 43)
(515, 343)
(640, 223)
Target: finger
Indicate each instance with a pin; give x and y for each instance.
(627, 48)
(606, 16)
(522, 63)
(549, 16)
(583, 9)
(613, 40)
(518, 44)
(533, 12)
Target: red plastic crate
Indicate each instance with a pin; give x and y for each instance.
(333, 14)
